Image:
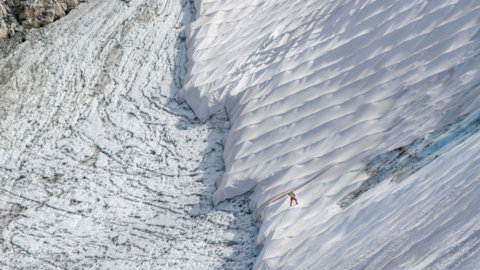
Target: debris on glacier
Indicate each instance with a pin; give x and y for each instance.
(99, 166)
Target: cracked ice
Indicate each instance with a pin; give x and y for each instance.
(99, 166)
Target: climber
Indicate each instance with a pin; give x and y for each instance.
(292, 198)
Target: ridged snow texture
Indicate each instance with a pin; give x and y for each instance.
(99, 167)
(315, 90)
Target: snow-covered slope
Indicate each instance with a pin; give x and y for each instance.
(327, 98)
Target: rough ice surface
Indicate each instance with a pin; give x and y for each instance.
(404, 161)
(317, 90)
(100, 168)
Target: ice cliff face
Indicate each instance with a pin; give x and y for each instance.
(331, 98)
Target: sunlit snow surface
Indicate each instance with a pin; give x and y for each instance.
(315, 92)
(99, 167)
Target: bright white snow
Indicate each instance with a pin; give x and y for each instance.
(316, 90)
(99, 167)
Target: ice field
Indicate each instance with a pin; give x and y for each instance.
(367, 110)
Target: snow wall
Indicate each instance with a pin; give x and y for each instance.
(316, 90)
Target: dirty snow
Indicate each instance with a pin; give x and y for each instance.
(100, 168)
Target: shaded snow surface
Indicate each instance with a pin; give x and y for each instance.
(317, 90)
(99, 167)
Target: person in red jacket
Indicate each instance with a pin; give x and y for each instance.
(292, 198)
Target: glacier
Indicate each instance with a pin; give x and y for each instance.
(320, 95)
(367, 110)
(100, 168)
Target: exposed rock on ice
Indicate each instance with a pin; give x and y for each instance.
(18, 14)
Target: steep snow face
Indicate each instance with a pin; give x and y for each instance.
(319, 95)
(99, 167)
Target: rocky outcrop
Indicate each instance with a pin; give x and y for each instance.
(38, 13)
(18, 14)
(8, 22)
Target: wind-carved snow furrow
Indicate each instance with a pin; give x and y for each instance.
(404, 161)
(99, 166)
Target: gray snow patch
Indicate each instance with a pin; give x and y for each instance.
(99, 166)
